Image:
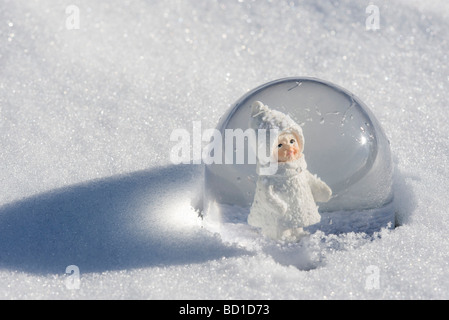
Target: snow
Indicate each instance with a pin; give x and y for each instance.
(85, 120)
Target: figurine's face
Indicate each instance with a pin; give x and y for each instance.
(288, 148)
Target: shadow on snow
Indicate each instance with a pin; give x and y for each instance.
(109, 224)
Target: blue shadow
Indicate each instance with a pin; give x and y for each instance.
(109, 224)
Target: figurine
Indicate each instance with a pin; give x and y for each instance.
(285, 202)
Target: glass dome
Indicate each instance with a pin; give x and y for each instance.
(344, 145)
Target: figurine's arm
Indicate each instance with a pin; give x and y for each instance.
(320, 190)
(275, 201)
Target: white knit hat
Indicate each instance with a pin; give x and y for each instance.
(262, 117)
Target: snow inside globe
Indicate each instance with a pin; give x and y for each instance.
(339, 143)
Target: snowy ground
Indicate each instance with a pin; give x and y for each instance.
(85, 120)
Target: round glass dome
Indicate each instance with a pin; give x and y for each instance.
(344, 145)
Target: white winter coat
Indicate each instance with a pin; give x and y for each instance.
(285, 200)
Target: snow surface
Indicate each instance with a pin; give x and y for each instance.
(85, 121)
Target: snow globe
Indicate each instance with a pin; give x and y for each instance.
(344, 145)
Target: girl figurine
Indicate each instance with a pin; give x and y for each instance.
(284, 201)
